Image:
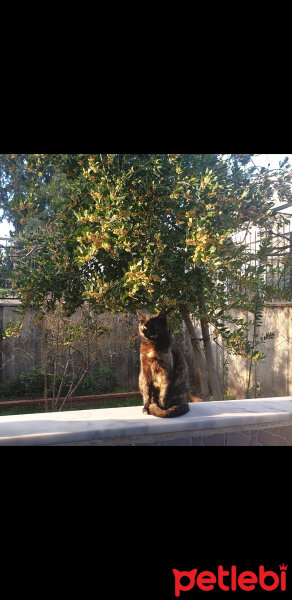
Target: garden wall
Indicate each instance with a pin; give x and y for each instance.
(119, 349)
(265, 422)
(270, 378)
(273, 376)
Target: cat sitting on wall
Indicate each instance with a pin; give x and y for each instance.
(164, 377)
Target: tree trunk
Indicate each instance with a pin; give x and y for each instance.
(212, 373)
(197, 350)
(213, 377)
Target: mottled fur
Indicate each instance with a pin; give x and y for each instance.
(164, 378)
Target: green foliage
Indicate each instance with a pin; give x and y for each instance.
(12, 329)
(102, 381)
(6, 270)
(125, 231)
(24, 385)
(32, 384)
(6, 292)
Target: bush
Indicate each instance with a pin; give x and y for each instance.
(101, 381)
(24, 385)
(31, 385)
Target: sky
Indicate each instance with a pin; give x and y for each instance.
(261, 160)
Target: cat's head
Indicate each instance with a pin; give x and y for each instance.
(152, 327)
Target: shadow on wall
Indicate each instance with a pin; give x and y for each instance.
(270, 378)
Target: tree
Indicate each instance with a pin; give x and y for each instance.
(18, 181)
(128, 231)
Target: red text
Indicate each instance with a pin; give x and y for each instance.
(230, 580)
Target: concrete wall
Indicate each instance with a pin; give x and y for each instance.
(266, 422)
(273, 376)
(117, 349)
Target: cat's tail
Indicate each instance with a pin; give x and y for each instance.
(173, 411)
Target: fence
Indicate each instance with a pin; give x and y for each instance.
(117, 350)
(281, 249)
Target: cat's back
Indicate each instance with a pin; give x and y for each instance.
(178, 355)
(180, 368)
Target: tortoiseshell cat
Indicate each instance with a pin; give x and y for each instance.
(164, 377)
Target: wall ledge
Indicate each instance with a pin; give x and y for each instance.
(259, 422)
(10, 302)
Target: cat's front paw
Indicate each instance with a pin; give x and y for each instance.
(146, 410)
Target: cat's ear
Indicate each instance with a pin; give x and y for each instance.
(141, 315)
(162, 314)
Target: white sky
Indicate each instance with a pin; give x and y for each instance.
(4, 229)
(262, 160)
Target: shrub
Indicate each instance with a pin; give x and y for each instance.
(24, 385)
(102, 380)
(31, 384)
